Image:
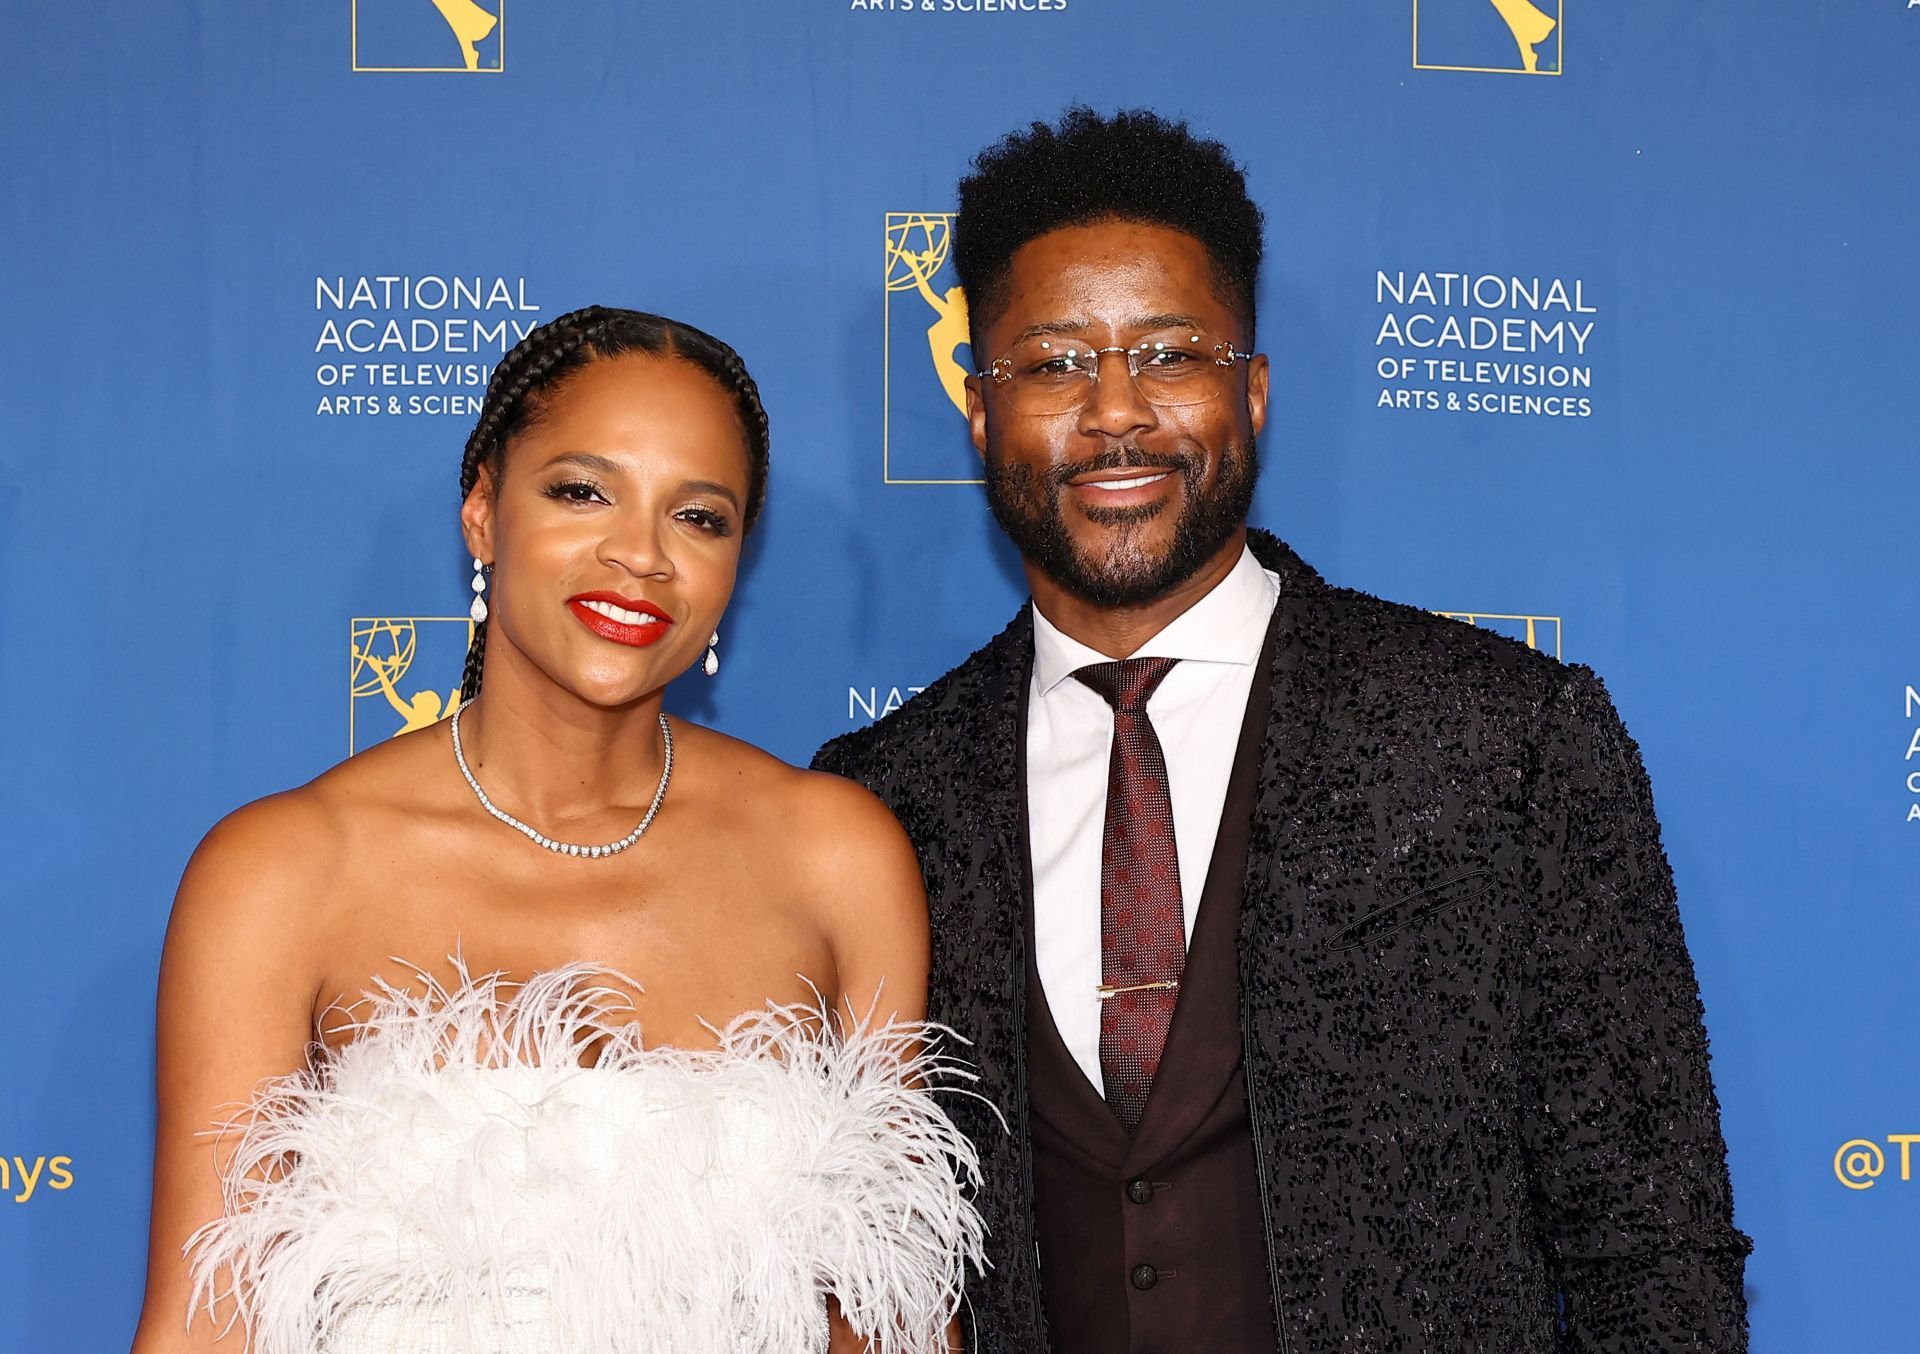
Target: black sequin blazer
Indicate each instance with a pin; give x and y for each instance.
(1478, 1078)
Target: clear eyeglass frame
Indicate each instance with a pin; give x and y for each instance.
(1049, 376)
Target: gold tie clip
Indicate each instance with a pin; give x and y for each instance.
(1107, 990)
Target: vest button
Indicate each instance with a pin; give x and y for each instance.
(1140, 1191)
(1144, 1277)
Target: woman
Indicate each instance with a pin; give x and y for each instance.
(451, 1135)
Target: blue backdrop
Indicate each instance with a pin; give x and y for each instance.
(1614, 354)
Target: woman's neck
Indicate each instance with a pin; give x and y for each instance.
(546, 755)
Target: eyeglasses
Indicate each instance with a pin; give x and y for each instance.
(1049, 376)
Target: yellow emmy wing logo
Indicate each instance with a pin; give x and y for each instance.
(415, 36)
(404, 674)
(1536, 632)
(923, 336)
(1512, 37)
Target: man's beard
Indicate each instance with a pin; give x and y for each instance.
(1027, 505)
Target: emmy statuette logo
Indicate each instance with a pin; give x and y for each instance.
(420, 36)
(926, 356)
(1536, 632)
(404, 674)
(1516, 37)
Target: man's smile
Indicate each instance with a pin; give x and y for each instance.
(1121, 488)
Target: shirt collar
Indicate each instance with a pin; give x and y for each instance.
(1225, 626)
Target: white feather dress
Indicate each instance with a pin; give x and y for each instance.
(453, 1181)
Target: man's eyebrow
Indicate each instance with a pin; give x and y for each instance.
(1146, 323)
(1166, 322)
(1050, 327)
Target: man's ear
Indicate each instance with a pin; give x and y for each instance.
(476, 517)
(977, 415)
(1257, 378)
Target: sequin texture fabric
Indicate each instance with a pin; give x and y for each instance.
(1476, 1066)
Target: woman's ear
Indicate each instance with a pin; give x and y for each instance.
(476, 517)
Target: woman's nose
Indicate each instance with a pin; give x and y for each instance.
(637, 543)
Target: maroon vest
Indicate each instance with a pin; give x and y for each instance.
(1156, 1243)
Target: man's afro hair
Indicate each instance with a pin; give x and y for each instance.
(1132, 166)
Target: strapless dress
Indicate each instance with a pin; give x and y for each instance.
(454, 1181)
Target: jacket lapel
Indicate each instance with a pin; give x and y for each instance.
(980, 965)
(986, 766)
(1297, 681)
(979, 942)
(1274, 892)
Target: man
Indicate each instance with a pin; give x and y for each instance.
(1320, 952)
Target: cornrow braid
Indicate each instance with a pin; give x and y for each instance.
(739, 382)
(476, 655)
(530, 372)
(528, 365)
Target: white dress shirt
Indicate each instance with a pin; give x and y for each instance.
(1196, 712)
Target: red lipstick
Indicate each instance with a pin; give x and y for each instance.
(620, 631)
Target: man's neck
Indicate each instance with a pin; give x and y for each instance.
(1119, 632)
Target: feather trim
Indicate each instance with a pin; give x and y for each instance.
(453, 1179)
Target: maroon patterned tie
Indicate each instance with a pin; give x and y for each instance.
(1143, 936)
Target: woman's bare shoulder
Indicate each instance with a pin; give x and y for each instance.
(268, 868)
(836, 849)
(812, 819)
(251, 883)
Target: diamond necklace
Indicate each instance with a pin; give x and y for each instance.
(539, 838)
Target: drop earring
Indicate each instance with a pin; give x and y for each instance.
(479, 608)
(711, 663)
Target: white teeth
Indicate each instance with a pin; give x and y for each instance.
(1132, 483)
(620, 613)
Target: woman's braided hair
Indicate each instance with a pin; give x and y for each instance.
(528, 374)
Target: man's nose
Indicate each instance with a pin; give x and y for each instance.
(1115, 405)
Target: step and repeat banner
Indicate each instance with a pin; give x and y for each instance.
(1591, 323)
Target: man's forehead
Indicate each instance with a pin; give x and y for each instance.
(1085, 255)
(1122, 276)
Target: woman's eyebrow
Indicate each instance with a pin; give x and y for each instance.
(586, 460)
(713, 487)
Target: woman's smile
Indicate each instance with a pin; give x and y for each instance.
(630, 621)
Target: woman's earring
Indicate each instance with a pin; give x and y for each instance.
(711, 663)
(479, 608)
